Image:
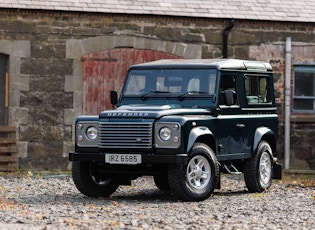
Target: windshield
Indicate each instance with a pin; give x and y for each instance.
(174, 82)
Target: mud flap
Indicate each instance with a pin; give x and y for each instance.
(218, 184)
(277, 171)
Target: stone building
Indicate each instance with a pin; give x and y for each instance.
(60, 59)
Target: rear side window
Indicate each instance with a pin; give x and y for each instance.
(256, 88)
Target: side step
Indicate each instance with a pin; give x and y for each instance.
(231, 169)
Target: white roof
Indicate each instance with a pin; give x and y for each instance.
(272, 10)
(236, 64)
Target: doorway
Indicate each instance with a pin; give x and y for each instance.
(4, 90)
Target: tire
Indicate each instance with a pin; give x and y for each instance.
(258, 171)
(161, 181)
(90, 182)
(197, 180)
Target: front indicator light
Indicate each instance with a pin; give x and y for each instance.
(80, 137)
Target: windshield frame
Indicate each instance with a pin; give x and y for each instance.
(177, 82)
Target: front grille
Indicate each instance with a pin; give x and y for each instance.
(123, 135)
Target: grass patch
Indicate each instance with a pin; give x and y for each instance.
(305, 180)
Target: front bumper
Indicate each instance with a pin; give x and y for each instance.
(146, 158)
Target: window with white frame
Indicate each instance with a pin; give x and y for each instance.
(304, 89)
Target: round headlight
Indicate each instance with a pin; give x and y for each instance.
(165, 133)
(91, 133)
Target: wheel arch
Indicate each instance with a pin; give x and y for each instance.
(265, 134)
(201, 134)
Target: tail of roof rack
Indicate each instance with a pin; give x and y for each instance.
(257, 65)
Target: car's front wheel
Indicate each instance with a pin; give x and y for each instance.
(161, 182)
(196, 180)
(89, 180)
(258, 171)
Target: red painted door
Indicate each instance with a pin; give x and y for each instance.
(105, 71)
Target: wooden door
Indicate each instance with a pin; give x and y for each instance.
(105, 71)
(4, 87)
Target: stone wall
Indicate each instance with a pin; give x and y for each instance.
(302, 149)
(45, 66)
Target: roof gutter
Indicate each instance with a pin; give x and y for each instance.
(225, 37)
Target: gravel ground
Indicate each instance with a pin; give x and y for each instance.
(53, 202)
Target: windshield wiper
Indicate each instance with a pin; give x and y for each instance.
(152, 92)
(191, 93)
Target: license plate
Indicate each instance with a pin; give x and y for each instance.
(125, 159)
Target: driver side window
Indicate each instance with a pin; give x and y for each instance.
(228, 94)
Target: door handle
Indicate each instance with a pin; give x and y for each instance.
(240, 126)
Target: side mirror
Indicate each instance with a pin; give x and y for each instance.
(113, 98)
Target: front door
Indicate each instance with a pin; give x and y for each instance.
(232, 129)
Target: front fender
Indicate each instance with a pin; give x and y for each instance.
(194, 134)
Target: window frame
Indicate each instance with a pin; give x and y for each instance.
(303, 68)
(152, 76)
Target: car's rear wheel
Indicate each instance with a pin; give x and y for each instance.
(90, 181)
(258, 171)
(196, 180)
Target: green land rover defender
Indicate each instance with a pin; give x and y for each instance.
(182, 122)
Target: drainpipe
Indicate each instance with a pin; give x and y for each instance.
(287, 103)
(225, 37)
